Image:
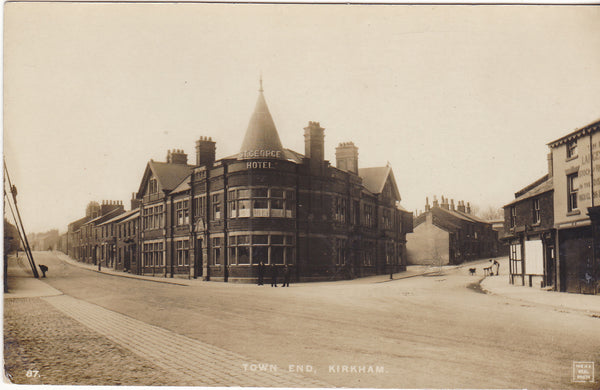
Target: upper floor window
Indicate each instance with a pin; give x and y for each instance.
(340, 209)
(369, 215)
(152, 217)
(153, 186)
(537, 217)
(216, 206)
(182, 213)
(572, 188)
(572, 148)
(200, 206)
(513, 216)
(261, 202)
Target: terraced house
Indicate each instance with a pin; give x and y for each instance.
(218, 219)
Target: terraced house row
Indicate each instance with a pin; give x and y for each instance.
(218, 219)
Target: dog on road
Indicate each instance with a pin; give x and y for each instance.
(472, 271)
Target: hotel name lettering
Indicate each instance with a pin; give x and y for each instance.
(259, 154)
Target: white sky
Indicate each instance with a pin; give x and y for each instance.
(461, 100)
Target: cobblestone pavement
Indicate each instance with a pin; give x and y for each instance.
(186, 360)
(44, 346)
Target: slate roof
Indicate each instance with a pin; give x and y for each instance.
(587, 129)
(261, 133)
(170, 175)
(119, 217)
(75, 225)
(374, 179)
(541, 188)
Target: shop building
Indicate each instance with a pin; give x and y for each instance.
(576, 178)
(530, 234)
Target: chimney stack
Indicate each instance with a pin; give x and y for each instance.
(346, 156)
(445, 204)
(435, 201)
(461, 206)
(427, 206)
(176, 156)
(314, 147)
(205, 151)
(550, 167)
(452, 205)
(135, 203)
(468, 208)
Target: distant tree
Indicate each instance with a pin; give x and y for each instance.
(490, 213)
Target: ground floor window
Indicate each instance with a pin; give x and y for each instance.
(389, 253)
(516, 262)
(153, 254)
(216, 250)
(256, 248)
(368, 253)
(182, 250)
(339, 252)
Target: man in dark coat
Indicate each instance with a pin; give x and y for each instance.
(261, 273)
(44, 269)
(286, 276)
(273, 275)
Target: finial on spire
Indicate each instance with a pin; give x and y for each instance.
(261, 87)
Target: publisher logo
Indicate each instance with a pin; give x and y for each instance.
(583, 371)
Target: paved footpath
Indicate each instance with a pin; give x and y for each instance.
(58, 339)
(499, 285)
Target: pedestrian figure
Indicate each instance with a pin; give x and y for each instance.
(273, 275)
(497, 267)
(44, 269)
(286, 276)
(261, 273)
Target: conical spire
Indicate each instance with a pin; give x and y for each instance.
(261, 139)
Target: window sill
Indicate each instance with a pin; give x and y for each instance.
(572, 158)
(573, 212)
(537, 224)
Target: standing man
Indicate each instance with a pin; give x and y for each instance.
(497, 266)
(286, 276)
(273, 275)
(261, 273)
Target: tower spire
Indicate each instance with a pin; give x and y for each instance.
(261, 86)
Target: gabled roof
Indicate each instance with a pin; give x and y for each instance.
(183, 186)
(120, 217)
(75, 225)
(541, 188)
(374, 179)
(134, 215)
(261, 134)
(446, 218)
(105, 217)
(169, 175)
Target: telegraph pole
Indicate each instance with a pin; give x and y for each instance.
(19, 222)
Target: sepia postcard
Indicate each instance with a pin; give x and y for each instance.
(301, 195)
